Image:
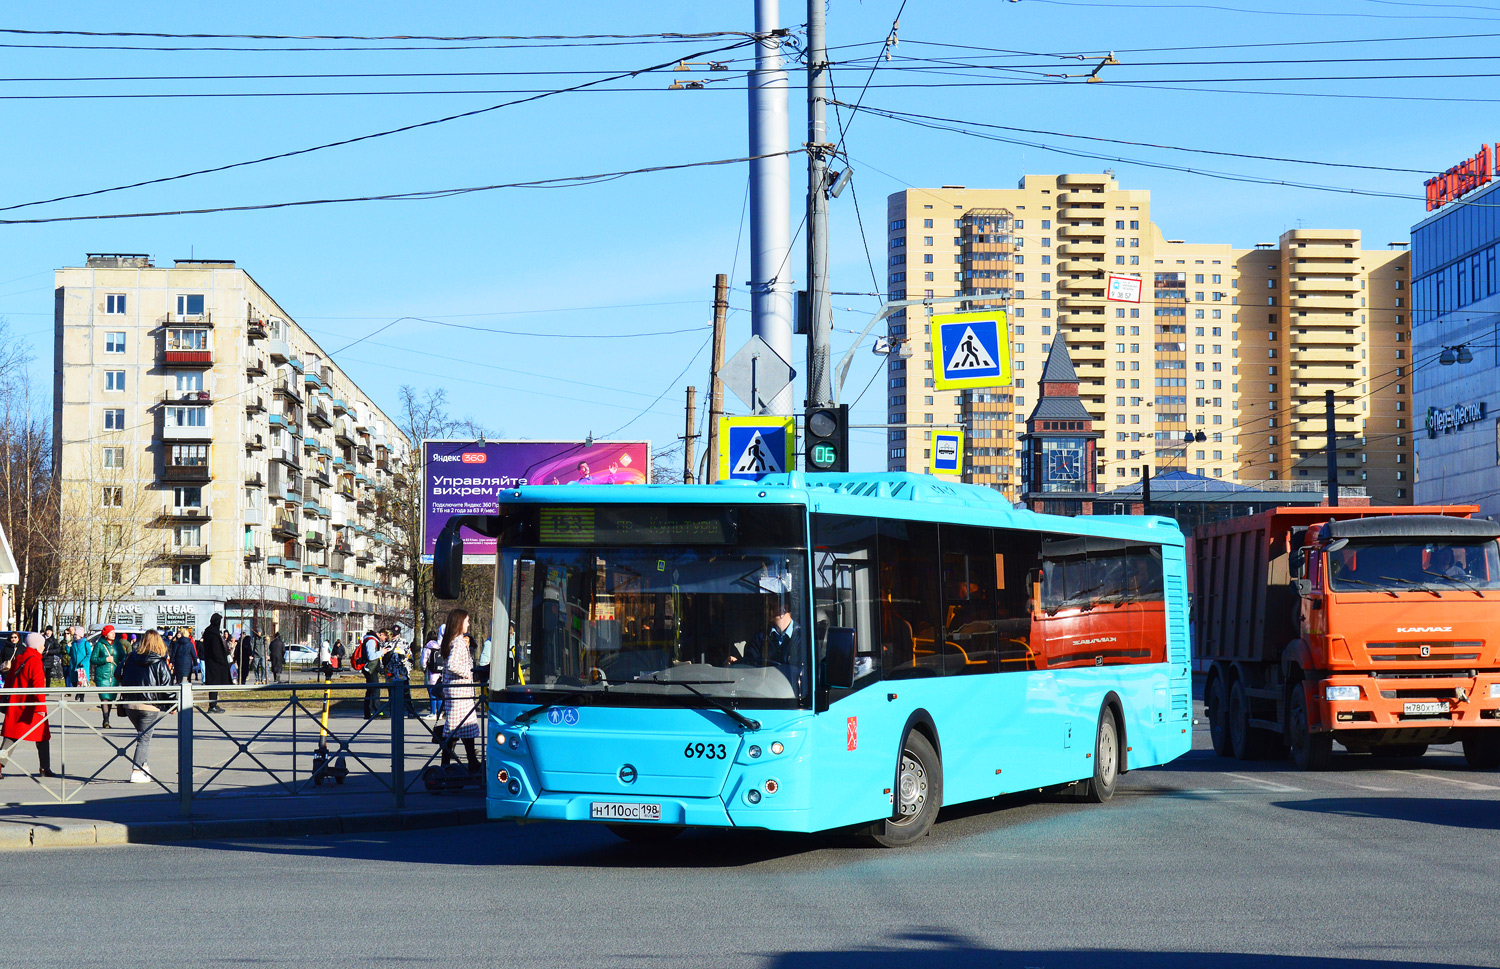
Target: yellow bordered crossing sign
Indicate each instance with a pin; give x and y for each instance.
(751, 447)
(970, 350)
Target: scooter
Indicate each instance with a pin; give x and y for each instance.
(324, 764)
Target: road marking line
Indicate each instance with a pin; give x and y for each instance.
(1363, 787)
(1453, 780)
(1264, 784)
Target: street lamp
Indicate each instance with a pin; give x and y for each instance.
(1458, 354)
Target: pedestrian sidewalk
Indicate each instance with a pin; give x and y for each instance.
(250, 778)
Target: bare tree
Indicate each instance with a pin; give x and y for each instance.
(28, 499)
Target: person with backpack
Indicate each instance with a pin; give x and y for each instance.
(366, 660)
(432, 669)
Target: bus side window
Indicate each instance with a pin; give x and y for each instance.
(844, 589)
(969, 587)
(911, 630)
(1017, 561)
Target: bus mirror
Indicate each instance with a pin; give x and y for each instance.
(448, 562)
(839, 662)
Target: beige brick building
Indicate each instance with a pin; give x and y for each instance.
(1238, 344)
(212, 458)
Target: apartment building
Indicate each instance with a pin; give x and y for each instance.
(212, 458)
(1235, 345)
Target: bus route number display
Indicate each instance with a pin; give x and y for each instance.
(638, 525)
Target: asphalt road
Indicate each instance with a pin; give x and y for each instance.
(1206, 864)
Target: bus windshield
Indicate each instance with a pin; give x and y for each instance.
(1408, 566)
(658, 624)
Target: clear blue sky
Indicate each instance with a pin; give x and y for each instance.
(639, 254)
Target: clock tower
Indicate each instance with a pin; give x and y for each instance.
(1058, 448)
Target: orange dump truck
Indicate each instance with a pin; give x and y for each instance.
(1378, 628)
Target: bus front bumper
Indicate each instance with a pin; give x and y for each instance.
(708, 812)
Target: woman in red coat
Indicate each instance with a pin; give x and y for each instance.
(26, 714)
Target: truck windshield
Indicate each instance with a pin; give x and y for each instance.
(1404, 566)
(659, 624)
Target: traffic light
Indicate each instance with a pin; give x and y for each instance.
(826, 439)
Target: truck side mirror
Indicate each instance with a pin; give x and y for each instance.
(1303, 586)
(838, 664)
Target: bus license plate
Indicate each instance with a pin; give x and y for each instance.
(1425, 709)
(616, 811)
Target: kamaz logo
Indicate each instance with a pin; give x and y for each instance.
(1424, 629)
(1097, 639)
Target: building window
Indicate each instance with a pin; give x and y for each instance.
(926, 223)
(114, 303)
(187, 496)
(114, 496)
(187, 574)
(114, 419)
(190, 304)
(113, 457)
(927, 257)
(114, 341)
(114, 380)
(187, 416)
(1135, 224)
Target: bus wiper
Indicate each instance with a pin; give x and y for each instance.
(1350, 578)
(526, 716)
(733, 714)
(1453, 578)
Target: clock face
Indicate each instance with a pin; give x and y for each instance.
(1065, 464)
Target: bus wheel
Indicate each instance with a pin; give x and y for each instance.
(1101, 787)
(1218, 717)
(919, 795)
(1482, 749)
(648, 834)
(1310, 751)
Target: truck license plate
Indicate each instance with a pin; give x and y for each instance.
(616, 811)
(1425, 709)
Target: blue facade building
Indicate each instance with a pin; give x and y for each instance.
(1456, 350)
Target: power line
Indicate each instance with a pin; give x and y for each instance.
(1155, 50)
(170, 36)
(560, 182)
(1132, 6)
(377, 134)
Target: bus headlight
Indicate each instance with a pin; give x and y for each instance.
(1334, 693)
(776, 747)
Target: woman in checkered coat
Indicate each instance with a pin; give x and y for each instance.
(459, 690)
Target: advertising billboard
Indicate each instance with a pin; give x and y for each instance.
(466, 478)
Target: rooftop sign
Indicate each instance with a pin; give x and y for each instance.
(1461, 178)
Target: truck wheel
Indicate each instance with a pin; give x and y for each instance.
(919, 795)
(1310, 751)
(1482, 749)
(1101, 787)
(1242, 740)
(1218, 717)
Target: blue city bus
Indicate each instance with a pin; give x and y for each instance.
(819, 651)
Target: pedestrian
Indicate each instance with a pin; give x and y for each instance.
(461, 721)
(10, 650)
(242, 654)
(80, 652)
(325, 654)
(184, 657)
(338, 651)
(278, 654)
(103, 663)
(370, 652)
(215, 655)
(52, 658)
(26, 714)
(395, 665)
(258, 655)
(146, 665)
(432, 670)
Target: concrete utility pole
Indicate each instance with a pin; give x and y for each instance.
(715, 384)
(771, 300)
(1333, 451)
(689, 436)
(820, 308)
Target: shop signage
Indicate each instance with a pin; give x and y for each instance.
(1462, 178)
(1450, 419)
(126, 616)
(176, 616)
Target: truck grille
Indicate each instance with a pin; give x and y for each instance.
(1408, 652)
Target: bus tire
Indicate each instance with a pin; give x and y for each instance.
(1310, 751)
(1101, 787)
(918, 795)
(648, 834)
(1482, 749)
(1218, 717)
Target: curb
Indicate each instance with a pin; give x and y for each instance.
(75, 834)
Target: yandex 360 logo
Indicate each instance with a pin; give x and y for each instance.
(475, 457)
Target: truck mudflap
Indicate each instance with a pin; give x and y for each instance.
(1420, 703)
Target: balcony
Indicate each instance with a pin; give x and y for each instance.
(295, 363)
(255, 365)
(192, 473)
(365, 455)
(253, 515)
(383, 464)
(363, 557)
(1081, 212)
(320, 475)
(278, 351)
(252, 555)
(312, 380)
(339, 407)
(318, 416)
(343, 435)
(1324, 284)
(188, 359)
(255, 329)
(284, 529)
(253, 444)
(183, 552)
(366, 506)
(254, 480)
(315, 541)
(171, 512)
(287, 456)
(1095, 182)
(1081, 249)
(287, 390)
(188, 432)
(1092, 284)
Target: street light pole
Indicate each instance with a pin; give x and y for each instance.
(771, 298)
(820, 308)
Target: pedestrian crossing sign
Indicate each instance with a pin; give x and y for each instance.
(752, 447)
(971, 350)
(948, 452)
